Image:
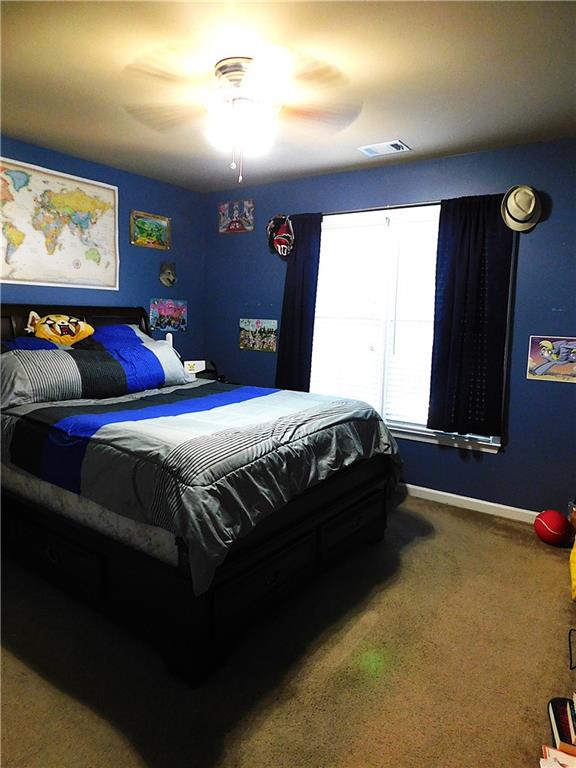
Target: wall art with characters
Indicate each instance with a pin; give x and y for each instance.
(258, 335)
(552, 358)
(168, 314)
(236, 216)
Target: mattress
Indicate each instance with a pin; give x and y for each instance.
(149, 539)
(204, 461)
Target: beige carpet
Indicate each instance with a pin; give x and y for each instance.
(439, 647)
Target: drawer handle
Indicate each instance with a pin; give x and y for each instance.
(51, 555)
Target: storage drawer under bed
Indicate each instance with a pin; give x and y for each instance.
(59, 558)
(266, 580)
(341, 532)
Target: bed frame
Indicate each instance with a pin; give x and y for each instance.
(284, 550)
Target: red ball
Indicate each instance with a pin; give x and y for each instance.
(553, 527)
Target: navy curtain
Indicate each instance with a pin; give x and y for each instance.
(471, 317)
(299, 305)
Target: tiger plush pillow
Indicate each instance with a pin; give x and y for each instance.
(60, 329)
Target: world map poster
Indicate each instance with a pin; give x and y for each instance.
(57, 229)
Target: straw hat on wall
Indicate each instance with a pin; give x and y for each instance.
(521, 208)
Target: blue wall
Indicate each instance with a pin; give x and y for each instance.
(537, 469)
(225, 277)
(139, 267)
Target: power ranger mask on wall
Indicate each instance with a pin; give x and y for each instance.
(61, 329)
(280, 235)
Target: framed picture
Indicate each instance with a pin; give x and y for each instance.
(258, 335)
(57, 229)
(150, 230)
(168, 314)
(552, 358)
(236, 216)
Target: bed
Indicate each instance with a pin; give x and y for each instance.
(184, 507)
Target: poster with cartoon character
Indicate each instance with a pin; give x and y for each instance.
(168, 314)
(552, 358)
(258, 335)
(236, 216)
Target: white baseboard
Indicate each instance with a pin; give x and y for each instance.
(479, 505)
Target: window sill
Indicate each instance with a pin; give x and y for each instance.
(423, 435)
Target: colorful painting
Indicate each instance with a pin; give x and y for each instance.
(236, 216)
(552, 358)
(57, 229)
(168, 314)
(258, 335)
(150, 230)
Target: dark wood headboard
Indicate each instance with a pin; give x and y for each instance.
(14, 317)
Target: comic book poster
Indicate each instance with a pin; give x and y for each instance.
(236, 216)
(168, 314)
(552, 358)
(258, 335)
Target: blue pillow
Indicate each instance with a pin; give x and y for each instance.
(107, 336)
(28, 342)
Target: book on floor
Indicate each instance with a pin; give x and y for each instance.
(562, 759)
(569, 749)
(559, 712)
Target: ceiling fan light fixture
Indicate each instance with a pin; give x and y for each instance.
(241, 101)
(242, 123)
(240, 119)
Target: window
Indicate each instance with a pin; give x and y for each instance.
(374, 319)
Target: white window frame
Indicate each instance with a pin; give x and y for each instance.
(451, 439)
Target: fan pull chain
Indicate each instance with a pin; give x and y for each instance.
(240, 165)
(235, 147)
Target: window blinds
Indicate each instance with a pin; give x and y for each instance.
(375, 309)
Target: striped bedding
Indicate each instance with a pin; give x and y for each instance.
(205, 461)
(93, 370)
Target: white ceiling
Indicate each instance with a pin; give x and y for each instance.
(445, 78)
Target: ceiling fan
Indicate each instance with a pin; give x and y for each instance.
(242, 101)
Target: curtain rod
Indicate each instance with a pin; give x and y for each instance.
(383, 208)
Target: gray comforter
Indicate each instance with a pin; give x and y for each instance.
(205, 461)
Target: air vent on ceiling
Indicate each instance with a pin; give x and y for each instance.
(384, 148)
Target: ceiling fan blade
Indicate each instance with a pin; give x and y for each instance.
(174, 66)
(331, 117)
(165, 117)
(165, 64)
(311, 71)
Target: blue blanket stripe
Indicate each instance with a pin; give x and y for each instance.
(68, 439)
(110, 335)
(142, 368)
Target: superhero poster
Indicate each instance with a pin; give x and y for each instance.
(552, 358)
(236, 216)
